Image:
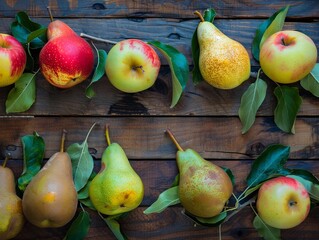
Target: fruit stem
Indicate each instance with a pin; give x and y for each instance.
(5, 161)
(107, 135)
(64, 132)
(97, 39)
(174, 140)
(50, 14)
(200, 16)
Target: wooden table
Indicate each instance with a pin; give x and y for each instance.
(205, 119)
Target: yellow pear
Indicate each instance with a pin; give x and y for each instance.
(223, 62)
(50, 199)
(117, 188)
(11, 214)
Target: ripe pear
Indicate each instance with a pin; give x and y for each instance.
(223, 62)
(204, 188)
(117, 188)
(66, 59)
(11, 214)
(50, 199)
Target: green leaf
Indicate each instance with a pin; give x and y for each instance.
(22, 96)
(114, 226)
(213, 221)
(209, 16)
(250, 102)
(312, 188)
(266, 231)
(311, 81)
(37, 33)
(82, 162)
(305, 175)
(84, 192)
(33, 153)
(98, 73)
(288, 105)
(272, 25)
(268, 164)
(88, 203)
(167, 198)
(79, 227)
(179, 68)
(251, 190)
(230, 175)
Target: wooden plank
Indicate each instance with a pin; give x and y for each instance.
(175, 9)
(144, 137)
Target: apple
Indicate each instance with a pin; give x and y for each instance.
(283, 202)
(12, 59)
(132, 65)
(287, 56)
(66, 59)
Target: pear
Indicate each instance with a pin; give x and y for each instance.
(223, 62)
(11, 213)
(204, 188)
(50, 199)
(66, 59)
(117, 188)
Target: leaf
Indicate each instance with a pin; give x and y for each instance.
(311, 81)
(230, 175)
(305, 175)
(33, 153)
(167, 198)
(179, 69)
(209, 16)
(35, 34)
(312, 188)
(114, 226)
(22, 96)
(84, 192)
(288, 105)
(98, 73)
(88, 203)
(251, 190)
(250, 102)
(268, 164)
(213, 221)
(272, 25)
(82, 162)
(79, 227)
(266, 231)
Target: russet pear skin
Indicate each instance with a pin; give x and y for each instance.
(117, 188)
(50, 199)
(204, 188)
(223, 62)
(11, 214)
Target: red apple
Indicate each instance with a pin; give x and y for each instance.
(12, 60)
(288, 56)
(283, 202)
(132, 65)
(66, 59)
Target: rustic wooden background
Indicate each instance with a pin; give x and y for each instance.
(205, 119)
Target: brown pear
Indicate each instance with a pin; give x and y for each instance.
(11, 215)
(50, 199)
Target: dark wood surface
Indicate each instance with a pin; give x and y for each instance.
(205, 119)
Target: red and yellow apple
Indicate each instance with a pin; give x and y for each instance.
(66, 59)
(287, 56)
(12, 59)
(132, 65)
(283, 202)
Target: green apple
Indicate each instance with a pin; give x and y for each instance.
(287, 56)
(132, 65)
(283, 202)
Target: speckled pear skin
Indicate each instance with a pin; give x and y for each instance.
(223, 62)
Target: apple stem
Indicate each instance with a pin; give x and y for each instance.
(174, 140)
(97, 39)
(107, 135)
(5, 161)
(64, 132)
(200, 16)
(50, 14)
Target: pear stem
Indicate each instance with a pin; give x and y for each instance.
(64, 132)
(5, 161)
(107, 135)
(97, 39)
(50, 14)
(200, 16)
(174, 140)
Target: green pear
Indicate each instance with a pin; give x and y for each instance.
(204, 188)
(11, 213)
(223, 62)
(50, 199)
(117, 188)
